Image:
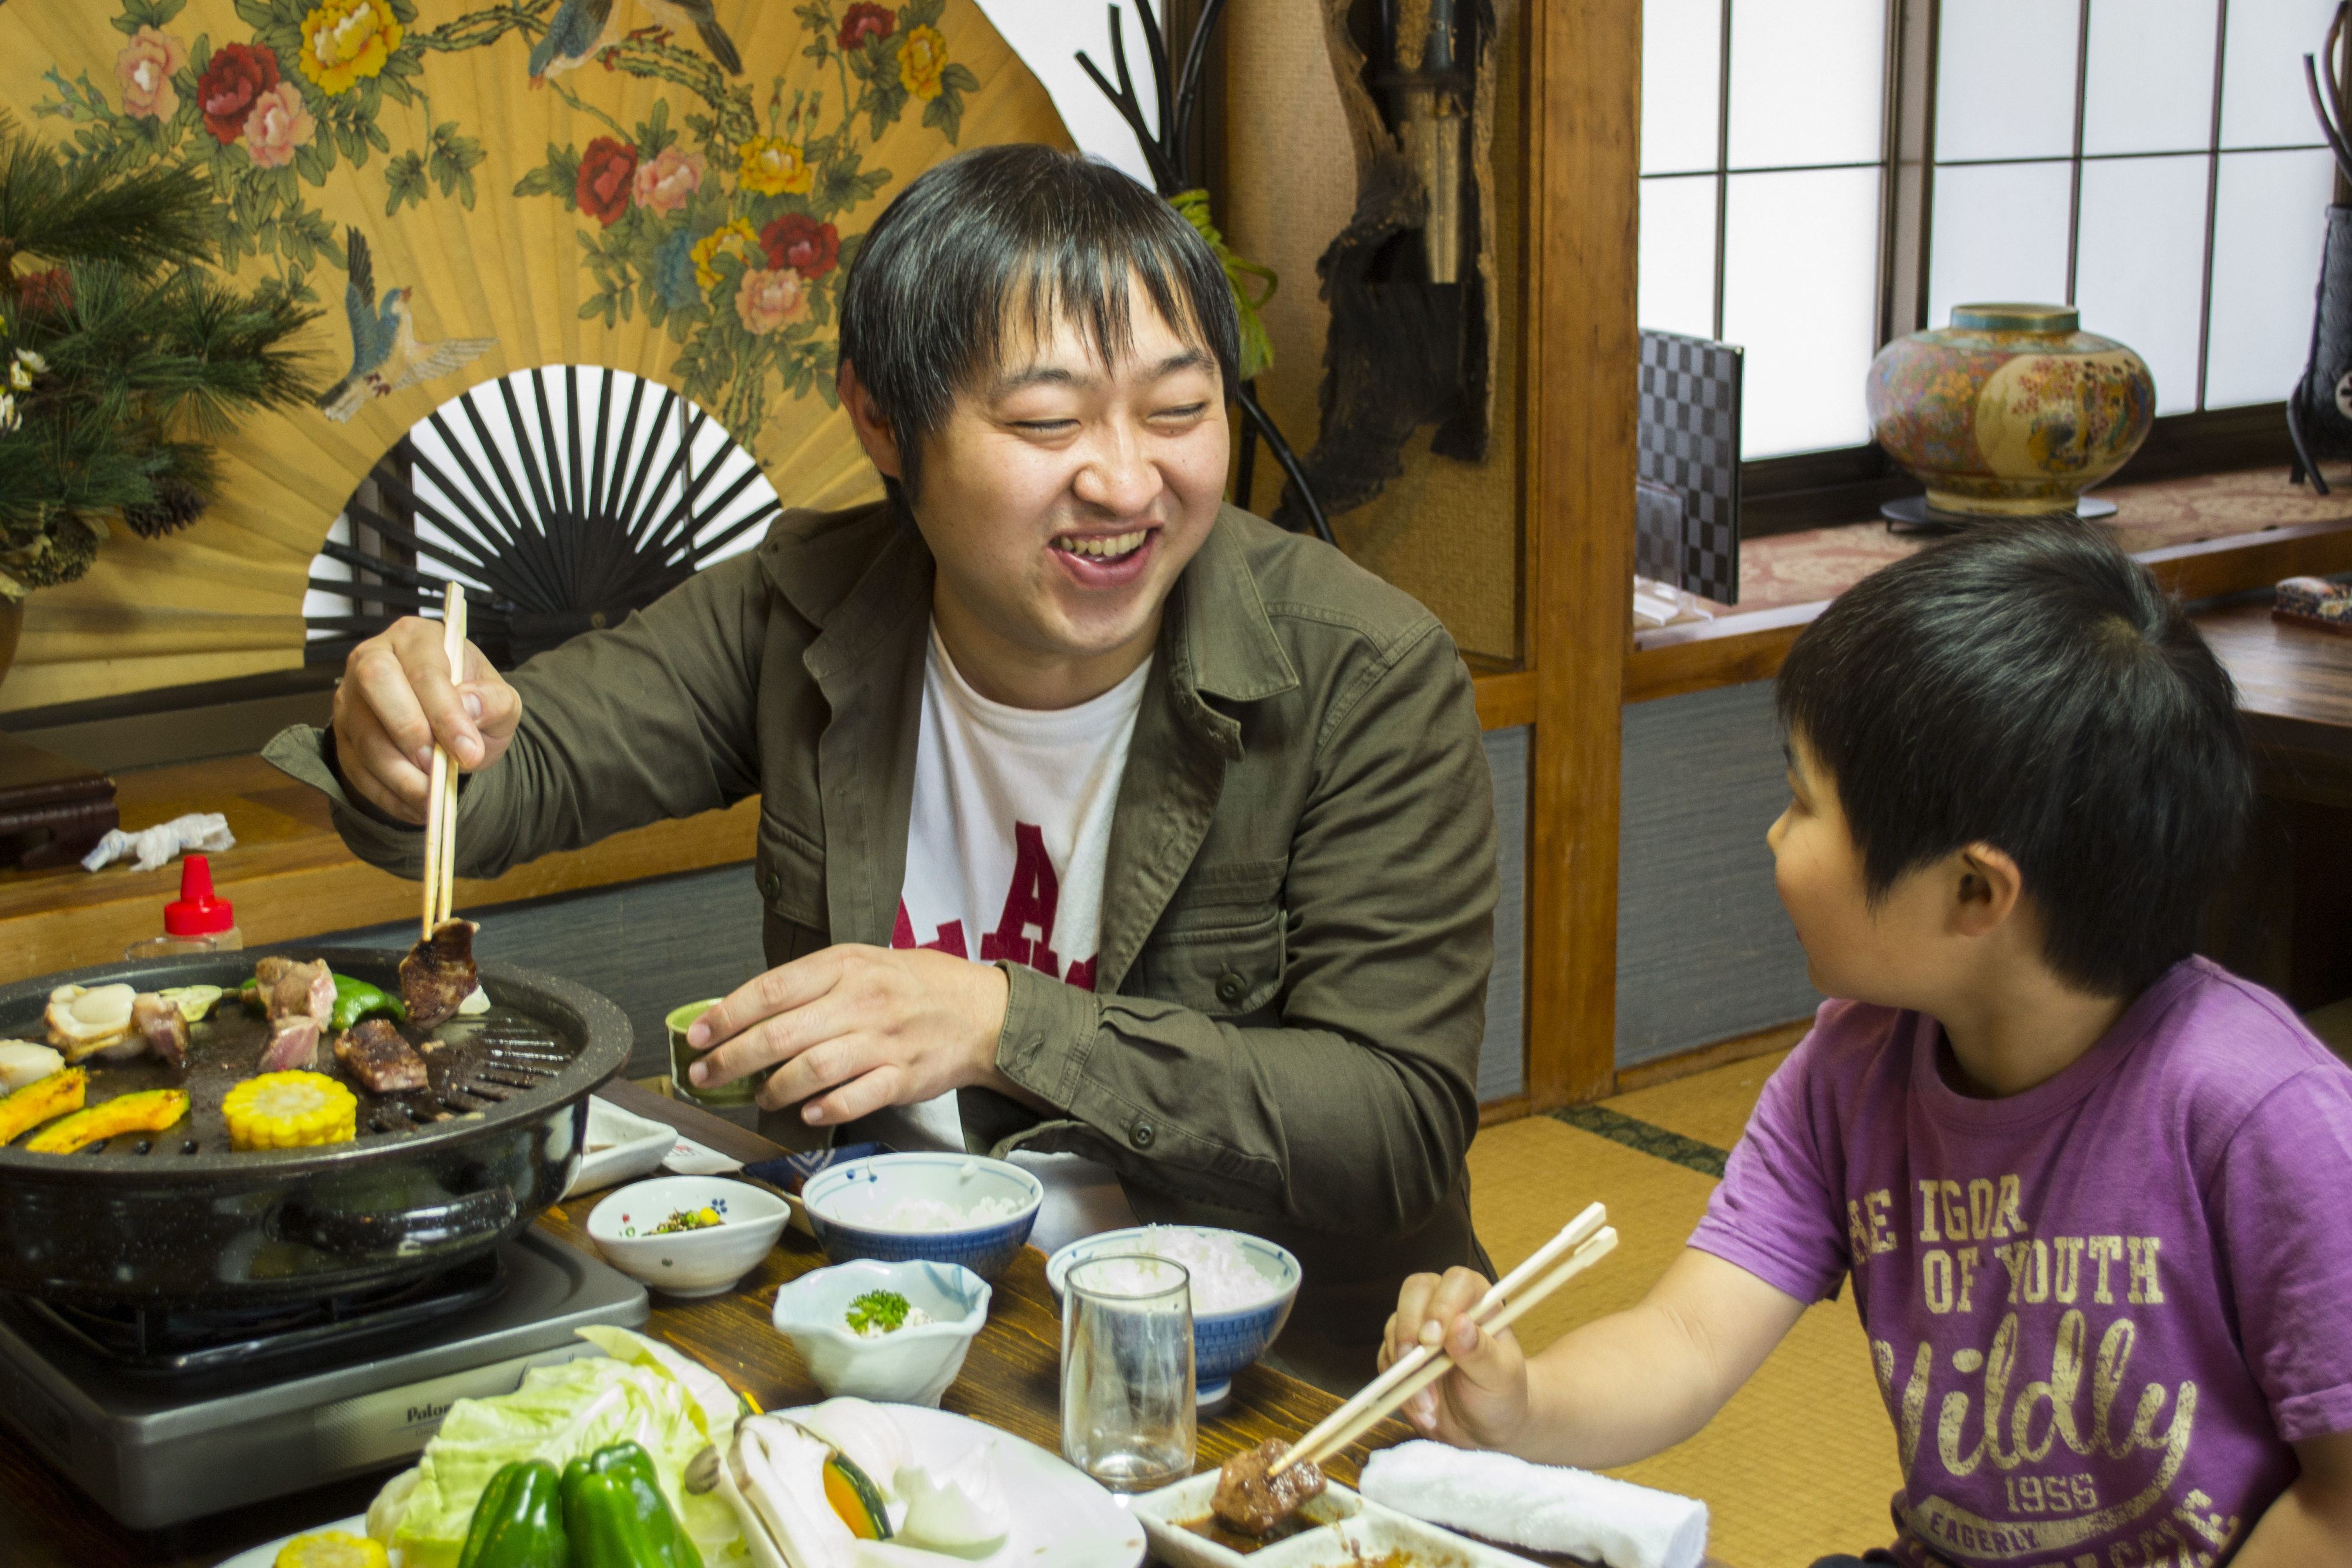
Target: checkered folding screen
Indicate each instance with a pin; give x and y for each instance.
(1687, 514)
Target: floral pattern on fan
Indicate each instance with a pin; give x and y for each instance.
(725, 230)
(718, 213)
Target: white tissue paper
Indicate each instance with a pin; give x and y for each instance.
(689, 1158)
(1547, 1506)
(150, 848)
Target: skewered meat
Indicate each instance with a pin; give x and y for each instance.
(297, 990)
(1250, 1499)
(438, 974)
(92, 1022)
(373, 1051)
(163, 1027)
(293, 1042)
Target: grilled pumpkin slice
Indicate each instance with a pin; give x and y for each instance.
(149, 1111)
(40, 1099)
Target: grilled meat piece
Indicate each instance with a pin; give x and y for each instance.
(373, 1052)
(1249, 1499)
(299, 989)
(165, 1027)
(438, 974)
(293, 1044)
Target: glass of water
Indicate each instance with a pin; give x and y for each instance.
(1127, 1370)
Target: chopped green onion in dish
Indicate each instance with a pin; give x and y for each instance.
(880, 1313)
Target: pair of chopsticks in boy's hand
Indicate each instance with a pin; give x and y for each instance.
(441, 800)
(1583, 1242)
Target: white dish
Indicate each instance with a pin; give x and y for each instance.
(686, 1262)
(1351, 1531)
(631, 1147)
(911, 1366)
(266, 1555)
(1060, 1519)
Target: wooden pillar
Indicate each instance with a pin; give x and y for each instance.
(1583, 206)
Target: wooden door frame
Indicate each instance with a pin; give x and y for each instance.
(1583, 203)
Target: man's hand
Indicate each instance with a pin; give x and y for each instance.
(396, 699)
(1483, 1402)
(856, 1028)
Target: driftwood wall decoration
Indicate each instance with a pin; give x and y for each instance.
(1405, 350)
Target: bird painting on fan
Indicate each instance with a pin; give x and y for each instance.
(576, 32)
(385, 354)
(581, 29)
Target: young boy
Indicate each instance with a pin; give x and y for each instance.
(2091, 1190)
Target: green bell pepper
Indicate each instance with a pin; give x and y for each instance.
(518, 1521)
(356, 999)
(615, 1514)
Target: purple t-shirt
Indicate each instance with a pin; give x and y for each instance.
(2100, 1309)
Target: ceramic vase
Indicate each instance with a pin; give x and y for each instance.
(2012, 411)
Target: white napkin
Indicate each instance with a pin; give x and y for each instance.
(152, 846)
(1548, 1507)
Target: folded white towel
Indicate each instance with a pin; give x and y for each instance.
(1547, 1506)
(151, 847)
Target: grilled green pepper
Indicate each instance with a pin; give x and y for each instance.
(518, 1521)
(356, 999)
(615, 1512)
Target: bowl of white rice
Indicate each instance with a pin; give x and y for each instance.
(1242, 1286)
(936, 1209)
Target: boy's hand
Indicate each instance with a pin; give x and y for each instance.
(1483, 1402)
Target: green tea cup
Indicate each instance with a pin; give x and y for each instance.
(682, 1058)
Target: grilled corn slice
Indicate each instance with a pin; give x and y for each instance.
(289, 1111)
(42, 1099)
(331, 1548)
(149, 1111)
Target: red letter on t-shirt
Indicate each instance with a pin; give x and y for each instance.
(1036, 894)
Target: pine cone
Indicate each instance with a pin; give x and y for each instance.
(174, 507)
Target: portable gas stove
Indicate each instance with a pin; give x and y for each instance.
(165, 1416)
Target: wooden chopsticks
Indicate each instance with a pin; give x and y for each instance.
(1584, 1240)
(441, 799)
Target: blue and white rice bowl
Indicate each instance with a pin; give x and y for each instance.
(896, 1207)
(1225, 1340)
(910, 1365)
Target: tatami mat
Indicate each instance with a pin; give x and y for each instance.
(1802, 1462)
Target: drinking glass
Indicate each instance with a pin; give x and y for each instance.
(1127, 1370)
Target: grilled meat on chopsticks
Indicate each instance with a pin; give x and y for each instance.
(438, 974)
(374, 1052)
(1249, 1499)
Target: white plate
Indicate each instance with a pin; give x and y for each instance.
(1060, 1519)
(634, 1147)
(264, 1556)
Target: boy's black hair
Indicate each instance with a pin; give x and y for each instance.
(997, 245)
(2028, 686)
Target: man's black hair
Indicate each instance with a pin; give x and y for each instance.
(995, 246)
(2030, 686)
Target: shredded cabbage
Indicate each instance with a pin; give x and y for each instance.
(561, 1414)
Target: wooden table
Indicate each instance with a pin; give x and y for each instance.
(1009, 1381)
(2294, 690)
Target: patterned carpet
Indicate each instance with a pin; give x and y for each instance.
(1820, 562)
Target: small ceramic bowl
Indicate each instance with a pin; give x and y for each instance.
(861, 1208)
(907, 1366)
(688, 1262)
(1223, 1342)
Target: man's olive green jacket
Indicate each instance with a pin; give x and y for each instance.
(1297, 914)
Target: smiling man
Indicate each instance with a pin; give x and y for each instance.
(1102, 824)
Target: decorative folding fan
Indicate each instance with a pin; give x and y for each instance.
(470, 189)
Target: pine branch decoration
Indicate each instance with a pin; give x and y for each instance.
(122, 358)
